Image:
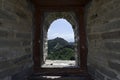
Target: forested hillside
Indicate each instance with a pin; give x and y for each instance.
(60, 49)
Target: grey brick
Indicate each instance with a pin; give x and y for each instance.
(28, 50)
(22, 75)
(14, 17)
(107, 72)
(21, 14)
(94, 36)
(99, 76)
(111, 35)
(107, 27)
(7, 78)
(10, 43)
(0, 23)
(3, 33)
(1, 4)
(113, 46)
(114, 66)
(22, 59)
(26, 43)
(91, 70)
(114, 55)
(109, 79)
(23, 35)
(6, 15)
(5, 64)
(12, 69)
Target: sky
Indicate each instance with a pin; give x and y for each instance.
(61, 28)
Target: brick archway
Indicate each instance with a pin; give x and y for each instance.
(71, 18)
(63, 6)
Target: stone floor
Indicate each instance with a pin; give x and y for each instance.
(58, 78)
(59, 63)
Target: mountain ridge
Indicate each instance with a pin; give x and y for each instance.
(59, 48)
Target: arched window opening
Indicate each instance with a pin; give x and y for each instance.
(60, 45)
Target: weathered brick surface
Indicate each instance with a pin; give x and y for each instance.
(6, 78)
(107, 72)
(111, 26)
(111, 35)
(3, 33)
(113, 46)
(1, 3)
(10, 43)
(6, 15)
(26, 43)
(23, 35)
(99, 76)
(94, 36)
(15, 38)
(114, 65)
(103, 23)
(21, 75)
(113, 55)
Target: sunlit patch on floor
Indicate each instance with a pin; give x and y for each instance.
(59, 63)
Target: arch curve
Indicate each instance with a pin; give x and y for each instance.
(50, 17)
(61, 28)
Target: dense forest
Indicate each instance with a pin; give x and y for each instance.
(60, 49)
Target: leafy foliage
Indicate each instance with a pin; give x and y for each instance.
(60, 49)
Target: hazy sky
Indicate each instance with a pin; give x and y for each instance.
(61, 28)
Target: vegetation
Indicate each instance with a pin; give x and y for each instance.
(60, 49)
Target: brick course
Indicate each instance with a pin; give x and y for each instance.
(103, 23)
(15, 37)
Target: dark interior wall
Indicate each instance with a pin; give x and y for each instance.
(15, 38)
(103, 28)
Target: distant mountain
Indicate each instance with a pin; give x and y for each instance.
(71, 43)
(56, 43)
(60, 49)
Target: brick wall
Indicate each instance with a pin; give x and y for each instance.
(15, 38)
(51, 17)
(103, 28)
